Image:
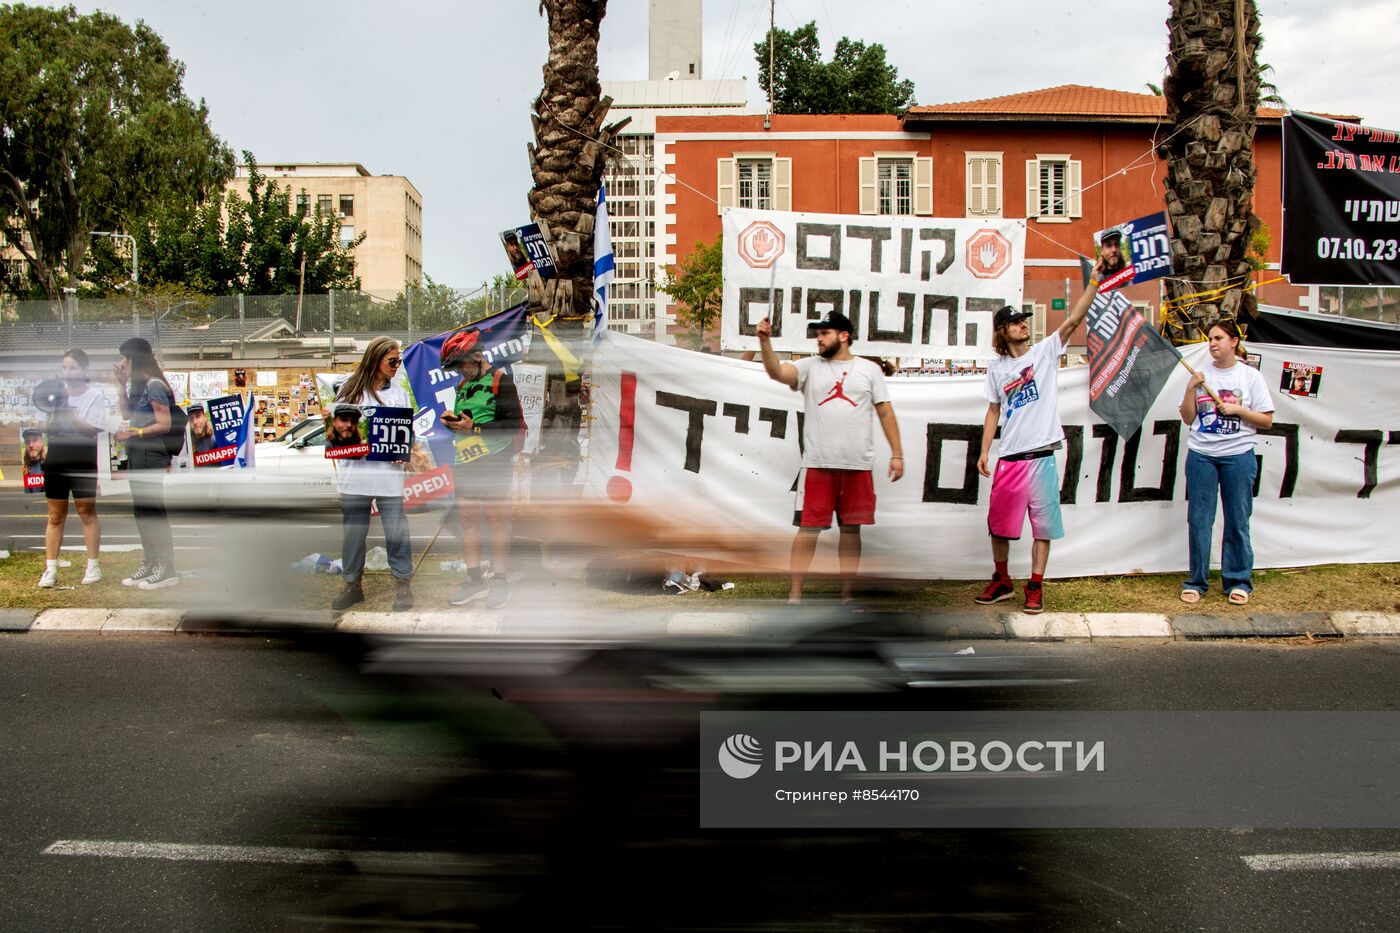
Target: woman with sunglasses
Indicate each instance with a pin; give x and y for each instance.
(374, 383)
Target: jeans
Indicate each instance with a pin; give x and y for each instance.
(1231, 479)
(148, 463)
(354, 514)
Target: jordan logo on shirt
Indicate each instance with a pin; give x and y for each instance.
(838, 391)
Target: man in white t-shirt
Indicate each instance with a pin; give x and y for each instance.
(1022, 394)
(842, 395)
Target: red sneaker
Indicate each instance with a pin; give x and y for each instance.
(1034, 595)
(1000, 588)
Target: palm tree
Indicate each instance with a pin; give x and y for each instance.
(568, 158)
(1212, 92)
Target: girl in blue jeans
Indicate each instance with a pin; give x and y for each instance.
(1220, 461)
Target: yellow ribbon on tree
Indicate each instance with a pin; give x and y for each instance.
(571, 363)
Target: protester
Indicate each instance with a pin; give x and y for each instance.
(486, 414)
(201, 428)
(1111, 259)
(841, 395)
(70, 467)
(362, 482)
(1220, 462)
(147, 404)
(1022, 392)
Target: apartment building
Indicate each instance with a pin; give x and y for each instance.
(388, 209)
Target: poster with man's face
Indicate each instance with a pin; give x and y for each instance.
(1133, 252)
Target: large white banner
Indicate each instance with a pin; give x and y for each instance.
(913, 286)
(714, 442)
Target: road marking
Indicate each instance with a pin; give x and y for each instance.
(265, 855)
(1323, 861)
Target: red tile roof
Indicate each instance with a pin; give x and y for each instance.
(1070, 102)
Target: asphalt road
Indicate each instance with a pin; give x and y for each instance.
(287, 774)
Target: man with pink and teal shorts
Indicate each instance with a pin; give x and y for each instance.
(1022, 394)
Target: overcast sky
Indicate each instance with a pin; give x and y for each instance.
(440, 91)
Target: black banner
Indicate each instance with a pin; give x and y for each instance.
(1129, 362)
(1341, 202)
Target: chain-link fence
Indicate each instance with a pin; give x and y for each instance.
(243, 327)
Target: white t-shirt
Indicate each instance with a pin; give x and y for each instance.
(1216, 435)
(372, 477)
(839, 397)
(92, 407)
(1027, 389)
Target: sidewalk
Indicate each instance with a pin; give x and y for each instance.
(765, 622)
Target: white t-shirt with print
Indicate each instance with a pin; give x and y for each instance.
(374, 477)
(839, 398)
(1216, 435)
(1027, 389)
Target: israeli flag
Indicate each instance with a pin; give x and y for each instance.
(247, 441)
(602, 266)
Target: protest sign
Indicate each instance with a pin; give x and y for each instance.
(504, 340)
(1341, 202)
(1129, 362)
(528, 252)
(179, 386)
(226, 417)
(208, 383)
(1137, 251)
(1301, 380)
(711, 444)
(390, 433)
(913, 286)
(347, 433)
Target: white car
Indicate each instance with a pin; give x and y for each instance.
(290, 472)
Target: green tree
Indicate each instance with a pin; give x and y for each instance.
(698, 284)
(95, 130)
(230, 243)
(856, 80)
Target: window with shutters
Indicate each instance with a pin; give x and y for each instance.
(984, 178)
(895, 186)
(1037, 320)
(756, 184)
(1053, 189)
(761, 181)
(896, 183)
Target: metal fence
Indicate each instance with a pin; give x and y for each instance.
(247, 326)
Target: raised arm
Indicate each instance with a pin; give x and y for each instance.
(786, 373)
(1080, 311)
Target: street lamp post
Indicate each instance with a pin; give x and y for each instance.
(135, 276)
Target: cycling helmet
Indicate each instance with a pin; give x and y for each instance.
(457, 348)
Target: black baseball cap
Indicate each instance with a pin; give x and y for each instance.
(834, 320)
(31, 432)
(193, 407)
(1009, 315)
(1114, 236)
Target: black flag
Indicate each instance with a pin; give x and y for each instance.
(1129, 362)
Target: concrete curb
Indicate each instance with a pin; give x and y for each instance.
(953, 625)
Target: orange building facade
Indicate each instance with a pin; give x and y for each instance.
(1073, 160)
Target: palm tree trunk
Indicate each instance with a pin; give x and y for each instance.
(1212, 94)
(568, 158)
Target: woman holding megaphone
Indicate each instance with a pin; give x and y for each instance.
(76, 411)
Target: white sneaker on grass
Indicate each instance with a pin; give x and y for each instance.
(93, 575)
(49, 578)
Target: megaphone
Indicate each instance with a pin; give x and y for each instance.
(50, 395)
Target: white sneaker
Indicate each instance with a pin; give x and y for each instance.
(93, 575)
(50, 578)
